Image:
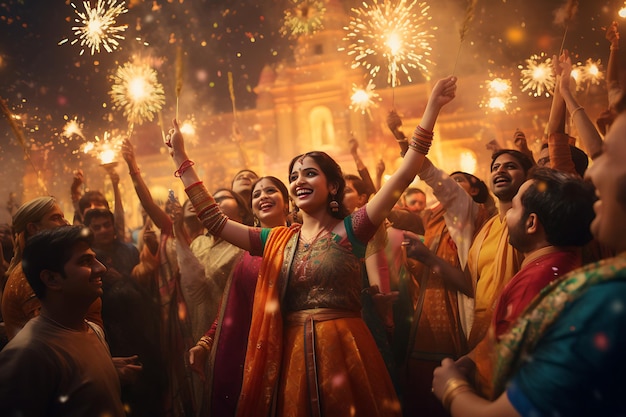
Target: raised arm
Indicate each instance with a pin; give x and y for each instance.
(360, 166)
(612, 70)
(383, 201)
(558, 140)
(156, 213)
(208, 211)
(589, 136)
(118, 207)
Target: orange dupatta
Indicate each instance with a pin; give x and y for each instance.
(264, 353)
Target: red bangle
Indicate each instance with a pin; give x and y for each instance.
(183, 167)
(132, 173)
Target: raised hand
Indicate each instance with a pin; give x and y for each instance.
(353, 143)
(612, 34)
(174, 140)
(443, 92)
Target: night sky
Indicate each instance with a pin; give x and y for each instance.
(45, 83)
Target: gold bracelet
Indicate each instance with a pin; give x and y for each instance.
(447, 401)
(205, 342)
(452, 385)
(575, 110)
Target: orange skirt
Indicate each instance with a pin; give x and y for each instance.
(348, 375)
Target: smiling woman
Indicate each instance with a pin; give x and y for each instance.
(310, 275)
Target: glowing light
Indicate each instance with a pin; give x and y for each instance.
(587, 74)
(591, 72)
(188, 129)
(105, 149)
(499, 95)
(97, 26)
(304, 18)
(394, 32)
(622, 12)
(468, 162)
(364, 98)
(537, 77)
(71, 128)
(137, 92)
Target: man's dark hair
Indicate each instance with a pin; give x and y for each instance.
(93, 196)
(579, 157)
(564, 205)
(359, 185)
(483, 192)
(523, 160)
(50, 250)
(98, 213)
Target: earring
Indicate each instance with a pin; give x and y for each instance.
(334, 205)
(257, 222)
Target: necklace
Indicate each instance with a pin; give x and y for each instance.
(306, 243)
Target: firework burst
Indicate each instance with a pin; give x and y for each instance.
(106, 148)
(304, 18)
(97, 26)
(537, 77)
(394, 31)
(137, 92)
(71, 128)
(363, 99)
(590, 72)
(499, 95)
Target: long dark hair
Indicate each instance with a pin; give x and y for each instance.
(279, 184)
(332, 171)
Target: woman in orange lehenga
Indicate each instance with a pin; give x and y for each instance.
(309, 351)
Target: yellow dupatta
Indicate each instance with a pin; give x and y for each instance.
(264, 352)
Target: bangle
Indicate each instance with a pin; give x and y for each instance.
(205, 342)
(576, 110)
(454, 386)
(135, 172)
(188, 163)
(614, 48)
(420, 131)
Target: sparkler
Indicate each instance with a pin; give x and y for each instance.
(469, 16)
(395, 31)
(179, 75)
(137, 92)
(563, 16)
(537, 77)
(97, 26)
(364, 98)
(19, 135)
(304, 18)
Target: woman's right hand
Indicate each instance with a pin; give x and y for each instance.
(174, 140)
(197, 359)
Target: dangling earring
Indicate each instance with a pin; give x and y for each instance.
(334, 205)
(257, 222)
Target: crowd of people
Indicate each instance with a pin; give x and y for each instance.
(326, 294)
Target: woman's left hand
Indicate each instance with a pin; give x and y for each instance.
(442, 374)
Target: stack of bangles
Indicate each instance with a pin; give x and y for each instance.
(207, 209)
(421, 140)
(454, 386)
(206, 343)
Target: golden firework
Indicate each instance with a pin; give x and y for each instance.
(137, 92)
(394, 32)
(97, 26)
